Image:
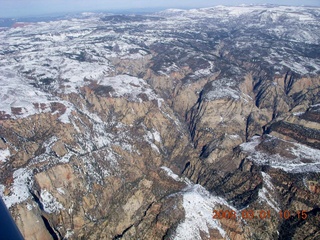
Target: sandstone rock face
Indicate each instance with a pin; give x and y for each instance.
(132, 127)
(31, 223)
(82, 180)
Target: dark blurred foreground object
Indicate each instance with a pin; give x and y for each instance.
(8, 228)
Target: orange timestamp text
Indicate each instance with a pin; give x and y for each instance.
(248, 214)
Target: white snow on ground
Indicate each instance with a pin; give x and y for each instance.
(302, 151)
(299, 152)
(250, 146)
(2, 188)
(128, 86)
(234, 136)
(68, 234)
(198, 204)
(149, 137)
(22, 181)
(174, 176)
(75, 72)
(267, 181)
(264, 193)
(156, 136)
(203, 72)
(66, 158)
(62, 56)
(49, 143)
(154, 147)
(49, 202)
(17, 94)
(298, 113)
(29, 206)
(170, 173)
(61, 191)
(222, 88)
(4, 155)
(64, 118)
(94, 170)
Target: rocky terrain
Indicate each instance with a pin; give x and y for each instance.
(142, 126)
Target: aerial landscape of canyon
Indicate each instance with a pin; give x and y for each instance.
(199, 123)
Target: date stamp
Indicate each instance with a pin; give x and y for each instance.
(248, 214)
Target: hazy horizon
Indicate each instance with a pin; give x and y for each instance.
(23, 8)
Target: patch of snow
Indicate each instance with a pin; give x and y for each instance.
(304, 180)
(139, 55)
(295, 165)
(160, 101)
(61, 191)
(128, 86)
(163, 73)
(64, 118)
(92, 116)
(154, 147)
(75, 72)
(222, 88)
(4, 155)
(91, 170)
(126, 146)
(20, 99)
(150, 139)
(264, 196)
(174, 176)
(247, 96)
(156, 136)
(22, 182)
(70, 210)
(48, 144)
(305, 152)
(298, 67)
(17, 94)
(29, 206)
(96, 171)
(267, 180)
(298, 113)
(234, 136)
(264, 193)
(203, 72)
(171, 174)
(68, 234)
(199, 204)
(250, 146)
(49, 202)
(2, 188)
(66, 158)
